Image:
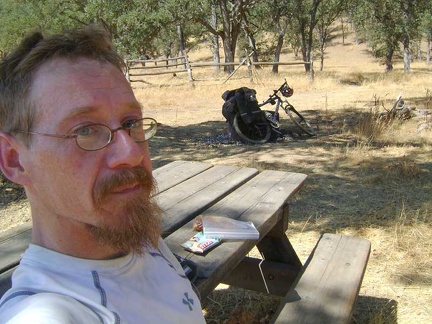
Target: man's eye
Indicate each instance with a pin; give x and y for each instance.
(129, 123)
(86, 130)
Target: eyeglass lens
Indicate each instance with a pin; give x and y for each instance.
(95, 137)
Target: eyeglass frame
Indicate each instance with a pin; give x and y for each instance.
(111, 132)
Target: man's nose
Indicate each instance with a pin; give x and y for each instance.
(124, 151)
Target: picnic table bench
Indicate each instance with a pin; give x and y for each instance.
(323, 290)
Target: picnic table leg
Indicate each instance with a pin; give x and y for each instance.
(275, 246)
(276, 273)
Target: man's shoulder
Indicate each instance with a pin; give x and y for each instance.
(27, 307)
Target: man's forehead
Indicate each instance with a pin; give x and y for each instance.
(81, 68)
(79, 87)
(69, 77)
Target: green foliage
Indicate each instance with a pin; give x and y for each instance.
(426, 20)
(19, 17)
(139, 28)
(133, 24)
(151, 27)
(387, 23)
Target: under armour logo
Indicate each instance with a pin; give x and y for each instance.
(188, 301)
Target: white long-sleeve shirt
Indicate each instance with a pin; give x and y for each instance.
(49, 287)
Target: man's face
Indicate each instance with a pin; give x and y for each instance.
(105, 192)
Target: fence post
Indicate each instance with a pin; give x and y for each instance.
(249, 65)
(189, 71)
(311, 70)
(127, 71)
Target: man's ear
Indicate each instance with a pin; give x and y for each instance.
(10, 164)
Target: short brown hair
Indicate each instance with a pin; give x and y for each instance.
(18, 68)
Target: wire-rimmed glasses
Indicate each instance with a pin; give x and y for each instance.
(95, 137)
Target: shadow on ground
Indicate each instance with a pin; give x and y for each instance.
(380, 310)
(237, 305)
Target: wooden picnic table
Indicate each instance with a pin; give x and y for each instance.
(189, 189)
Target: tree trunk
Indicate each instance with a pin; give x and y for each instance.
(280, 40)
(343, 30)
(388, 62)
(181, 41)
(215, 38)
(215, 50)
(304, 48)
(407, 67)
(229, 55)
(408, 17)
(231, 22)
(322, 58)
(250, 37)
(278, 51)
(307, 35)
(312, 24)
(428, 51)
(321, 40)
(296, 53)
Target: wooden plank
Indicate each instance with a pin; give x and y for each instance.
(261, 201)
(166, 66)
(5, 280)
(5, 235)
(326, 289)
(188, 199)
(280, 63)
(13, 245)
(275, 246)
(157, 60)
(176, 172)
(263, 276)
(158, 73)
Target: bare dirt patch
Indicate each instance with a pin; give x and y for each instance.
(377, 186)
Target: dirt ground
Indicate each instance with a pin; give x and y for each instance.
(379, 188)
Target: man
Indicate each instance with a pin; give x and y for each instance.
(73, 134)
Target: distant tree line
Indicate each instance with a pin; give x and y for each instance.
(154, 28)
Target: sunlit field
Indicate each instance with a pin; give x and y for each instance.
(367, 176)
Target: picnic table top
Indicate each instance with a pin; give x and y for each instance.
(188, 189)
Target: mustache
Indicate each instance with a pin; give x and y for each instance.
(126, 177)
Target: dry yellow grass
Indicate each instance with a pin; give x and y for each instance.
(364, 178)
